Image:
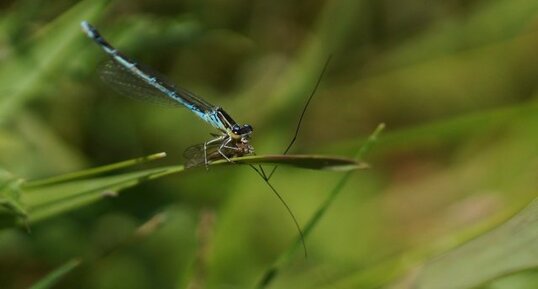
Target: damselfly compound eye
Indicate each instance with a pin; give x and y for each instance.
(236, 128)
(245, 130)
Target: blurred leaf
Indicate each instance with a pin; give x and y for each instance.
(522, 280)
(10, 196)
(45, 153)
(144, 230)
(454, 34)
(53, 277)
(447, 130)
(508, 249)
(294, 84)
(21, 74)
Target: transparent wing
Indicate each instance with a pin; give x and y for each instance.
(121, 80)
(195, 155)
(125, 82)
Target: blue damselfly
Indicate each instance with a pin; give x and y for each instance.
(129, 78)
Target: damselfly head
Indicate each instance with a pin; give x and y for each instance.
(244, 131)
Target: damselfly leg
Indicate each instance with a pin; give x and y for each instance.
(220, 147)
(224, 148)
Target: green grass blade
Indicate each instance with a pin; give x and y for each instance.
(286, 257)
(53, 277)
(93, 171)
(47, 201)
(313, 162)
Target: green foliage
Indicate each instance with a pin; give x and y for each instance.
(513, 243)
(49, 197)
(455, 82)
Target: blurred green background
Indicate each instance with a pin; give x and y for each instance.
(456, 83)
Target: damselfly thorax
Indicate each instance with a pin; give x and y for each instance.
(232, 142)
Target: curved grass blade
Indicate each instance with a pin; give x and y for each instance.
(286, 257)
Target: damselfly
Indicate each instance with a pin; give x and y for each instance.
(129, 78)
